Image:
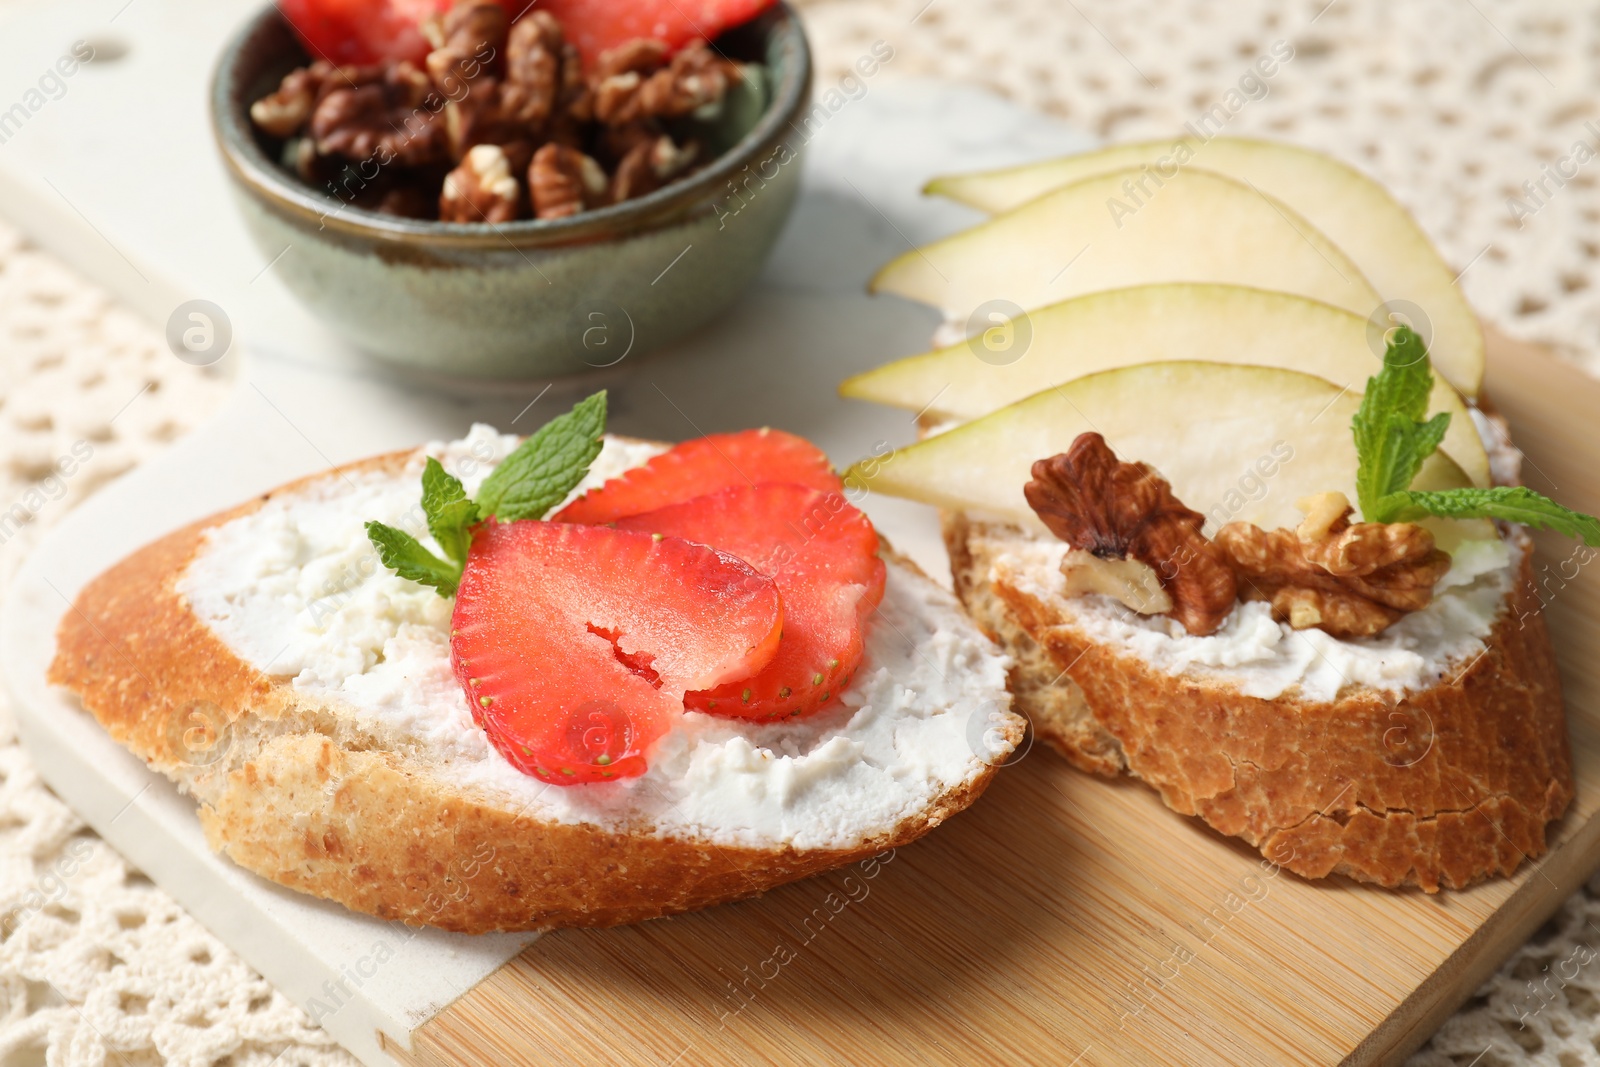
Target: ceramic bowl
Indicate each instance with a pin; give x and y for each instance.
(524, 299)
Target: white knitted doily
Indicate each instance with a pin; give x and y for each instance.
(97, 965)
(1453, 104)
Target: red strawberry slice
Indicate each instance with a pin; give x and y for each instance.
(597, 25)
(822, 553)
(575, 644)
(703, 466)
(362, 31)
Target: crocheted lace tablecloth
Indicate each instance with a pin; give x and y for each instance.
(1479, 114)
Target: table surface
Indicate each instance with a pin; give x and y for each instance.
(102, 967)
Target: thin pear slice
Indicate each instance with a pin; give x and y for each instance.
(1200, 227)
(1237, 443)
(1146, 324)
(1355, 212)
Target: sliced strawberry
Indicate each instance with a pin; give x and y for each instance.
(822, 553)
(597, 25)
(375, 31)
(575, 644)
(703, 466)
(362, 31)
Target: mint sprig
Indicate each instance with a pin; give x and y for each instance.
(1514, 503)
(1393, 440)
(450, 514)
(540, 473)
(404, 555)
(534, 478)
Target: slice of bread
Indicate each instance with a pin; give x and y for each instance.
(308, 787)
(1438, 786)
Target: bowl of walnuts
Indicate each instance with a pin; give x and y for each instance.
(496, 192)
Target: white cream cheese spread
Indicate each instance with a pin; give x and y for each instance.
(295, 590)
(1267, 659)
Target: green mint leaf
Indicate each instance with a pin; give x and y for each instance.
(545, 467)
(404, 555)
(1392, 440)
(1513, 503)
(1406, 380)
(1426, 439)
(450, 514)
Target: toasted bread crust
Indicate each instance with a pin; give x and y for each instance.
(294, 794)
(1439, 788)
(1041, 688)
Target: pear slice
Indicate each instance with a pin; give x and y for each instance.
(1355, 212)
(1199, 227)
(1237, 443)
(1150, 323)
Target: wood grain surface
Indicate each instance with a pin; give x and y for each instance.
(1071, 920)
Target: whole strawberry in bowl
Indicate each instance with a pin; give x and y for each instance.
(496, 190)
(362, 31)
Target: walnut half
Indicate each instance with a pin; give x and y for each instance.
(1115, 510)
(287, 108)
(648, 166)
(637, 81)
(1349, 580)
(564, 181)
(481, 189)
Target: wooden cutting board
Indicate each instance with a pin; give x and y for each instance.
(1066, 919)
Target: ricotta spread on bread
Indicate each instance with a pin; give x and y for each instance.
(1266, 658)
(295, 590)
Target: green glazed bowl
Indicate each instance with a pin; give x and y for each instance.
(526, 299)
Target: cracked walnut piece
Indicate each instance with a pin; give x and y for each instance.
(1115, 510)
(383, 119)
(481, 189)
(1135, 584)
(290, 106)
(1349, 580)
(536, 59)
(478, 116)
(284, 110)
(465, 41)
(648, 166)
(635, 81)
(563, 181)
